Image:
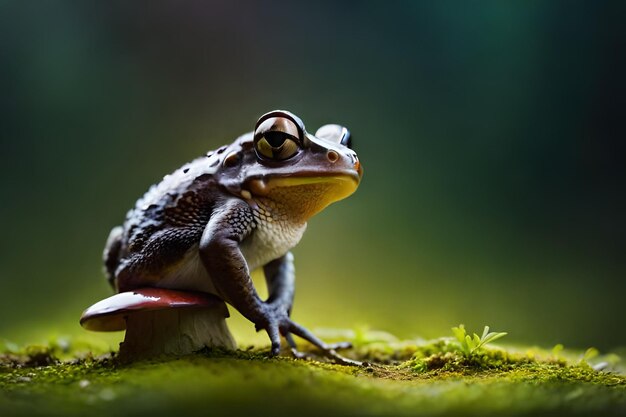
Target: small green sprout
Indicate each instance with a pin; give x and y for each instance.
(557, 349)
(469, 345)
(589, 355)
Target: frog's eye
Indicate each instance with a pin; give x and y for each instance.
(277, 138)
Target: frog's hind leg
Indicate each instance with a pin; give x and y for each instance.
(162, 256)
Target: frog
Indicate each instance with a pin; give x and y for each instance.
(244, 206)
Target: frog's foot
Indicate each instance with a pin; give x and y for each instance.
(277, 322)
(328, 350)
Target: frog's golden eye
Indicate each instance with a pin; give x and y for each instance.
(277, 138)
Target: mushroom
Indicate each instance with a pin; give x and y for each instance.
(161, 321)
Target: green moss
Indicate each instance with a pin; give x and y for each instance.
(400, 378)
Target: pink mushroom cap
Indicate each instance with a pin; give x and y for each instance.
(109, 315)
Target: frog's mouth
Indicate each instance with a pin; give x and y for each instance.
(343, 184)
(311, 194)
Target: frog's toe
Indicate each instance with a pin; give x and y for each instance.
(274, 335)
(294, 348)
(299, 355)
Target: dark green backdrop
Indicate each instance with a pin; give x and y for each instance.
(491, 134)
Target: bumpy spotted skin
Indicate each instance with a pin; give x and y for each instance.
(207, 225)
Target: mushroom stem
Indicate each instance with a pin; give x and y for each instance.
(174, 331)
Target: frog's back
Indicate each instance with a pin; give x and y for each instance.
(183, 199)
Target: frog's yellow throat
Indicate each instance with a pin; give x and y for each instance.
(302, 197)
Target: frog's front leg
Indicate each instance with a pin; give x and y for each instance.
(227, 267)
(280, 278)
(221, 256)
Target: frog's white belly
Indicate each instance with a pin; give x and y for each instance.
(268, 241)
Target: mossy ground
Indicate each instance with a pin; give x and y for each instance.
(399, 378)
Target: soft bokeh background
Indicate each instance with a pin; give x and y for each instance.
(491, 134)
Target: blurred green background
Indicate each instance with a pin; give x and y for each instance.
(491, 135)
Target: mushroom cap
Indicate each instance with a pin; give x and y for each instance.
(109, 315)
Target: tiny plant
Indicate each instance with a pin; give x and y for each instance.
(471, 344)
(557, 349)
(589, 355)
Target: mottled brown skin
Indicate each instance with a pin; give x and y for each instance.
(208, 224)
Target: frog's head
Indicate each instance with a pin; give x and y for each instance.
(294, 168)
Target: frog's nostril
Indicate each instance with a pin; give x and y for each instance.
(332, 156)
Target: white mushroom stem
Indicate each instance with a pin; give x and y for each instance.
(174, 331)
